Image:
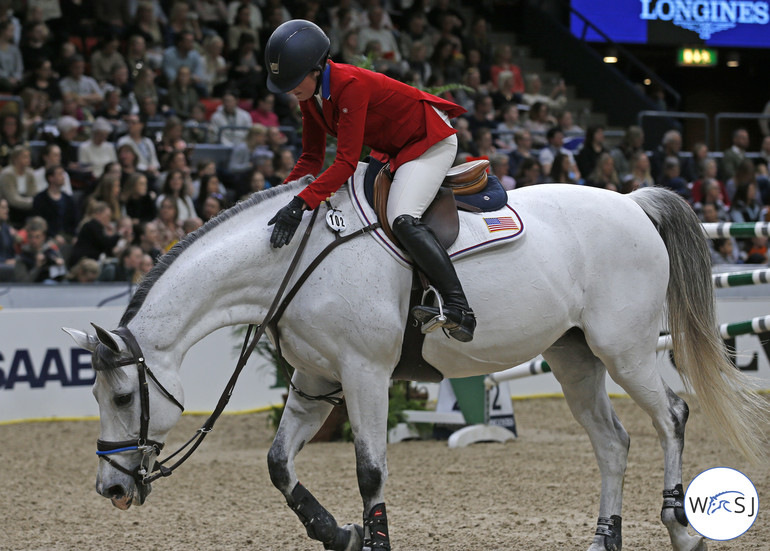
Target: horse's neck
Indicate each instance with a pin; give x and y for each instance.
(228, 276)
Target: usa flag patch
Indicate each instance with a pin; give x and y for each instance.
(501, 223)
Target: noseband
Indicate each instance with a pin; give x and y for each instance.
(143, 445)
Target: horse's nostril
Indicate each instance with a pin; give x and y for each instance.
(116, 491)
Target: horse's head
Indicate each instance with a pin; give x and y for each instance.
(137, 409)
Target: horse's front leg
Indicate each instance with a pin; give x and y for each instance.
(366, 398)
(300, 421)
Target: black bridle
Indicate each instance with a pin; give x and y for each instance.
(143, 474)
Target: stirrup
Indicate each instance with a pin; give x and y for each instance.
(436, 321)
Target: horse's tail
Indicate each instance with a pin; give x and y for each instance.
(726, 394)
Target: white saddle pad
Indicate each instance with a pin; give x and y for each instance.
(478, 231)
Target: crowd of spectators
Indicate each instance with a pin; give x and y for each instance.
(101, 161)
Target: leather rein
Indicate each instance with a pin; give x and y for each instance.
(142, 474)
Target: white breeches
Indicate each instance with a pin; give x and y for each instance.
(416, 183)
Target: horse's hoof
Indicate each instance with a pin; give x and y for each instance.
(701, 545)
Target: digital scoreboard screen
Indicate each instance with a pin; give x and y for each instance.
(727, 23)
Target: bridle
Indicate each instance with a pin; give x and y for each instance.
(143, 474)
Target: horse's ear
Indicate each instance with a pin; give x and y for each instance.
(82, 339)
(106, 338)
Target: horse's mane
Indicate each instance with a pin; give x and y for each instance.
(176, 251)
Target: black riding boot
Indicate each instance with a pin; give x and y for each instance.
(420, 242)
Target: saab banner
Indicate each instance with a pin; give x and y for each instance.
(44, 374)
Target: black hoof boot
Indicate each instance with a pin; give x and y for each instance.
(459, 323)
(376, 536)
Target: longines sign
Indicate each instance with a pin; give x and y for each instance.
(706, 17)
(729, 23)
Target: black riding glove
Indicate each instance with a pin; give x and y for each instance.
(286, 223)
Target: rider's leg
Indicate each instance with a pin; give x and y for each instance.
(414, 187)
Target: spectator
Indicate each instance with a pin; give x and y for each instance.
(691, 166)
(349, 50)
(145, 266)
(108, 192)
(555, 100)
(112, 16)
(255, 14)
(472, 89)
(465, 145)
(147, 157)
(733, 156)
(417, 31)
(8, 236)
(149, 113)
(711, 199)
(671, 177)
(36, 45)
(196, 129)
(182, 21)
(504, 63)
(708, 171)
(670, 146)
(68, 128)
(566, 122)
(639, 175)
(229, 121)
(56, 207)
(445, 63)
(41, 78)
(51, 156)
(114, 108)
(127, 266)
(631, 143)
(183, 53)
(82, 87)
(415, 67)
(212, 205)
(263, 112)
(378, 31)
(146, 26)
(174, 188)
(745, 172)
(87, 270)
(212, 15)
(508, 125)
(477, 38)
(137, 199)
(243, 158)
(169, 230)
(725, 251)
(505, 93)
(11, 63)
(11, 135)
(207, 184)
(746, 205)
(214, 65)
(555, 138)
(34, 113)
(499, 166)
(97, 235)
(149, 239)
(241, 25)
(528, 173)
(593, 146)
(604, 174)
(105, 58)
(171, 138)
(39, 258)
(561, 170)
(128, 160)
(483, 114)
(538, 122)
(764, 149)
(17, 184)
(523, 140)
(484, 143)
(95, 153)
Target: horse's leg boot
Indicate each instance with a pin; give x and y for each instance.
(419, 241)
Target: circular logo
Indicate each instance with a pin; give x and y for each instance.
(721, 503)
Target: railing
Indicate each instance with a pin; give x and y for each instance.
(677, 115)
(719, 117)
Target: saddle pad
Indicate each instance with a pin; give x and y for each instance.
(478, 231)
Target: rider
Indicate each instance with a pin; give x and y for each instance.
(403, 125)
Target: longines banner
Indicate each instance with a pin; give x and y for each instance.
(729, 23)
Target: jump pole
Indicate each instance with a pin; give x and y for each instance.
(714, 230)
(759, 324)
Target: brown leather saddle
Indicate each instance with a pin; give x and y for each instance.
(441, 215)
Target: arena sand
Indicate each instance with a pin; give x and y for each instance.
(540, 492)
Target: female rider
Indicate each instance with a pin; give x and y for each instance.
(404, 126)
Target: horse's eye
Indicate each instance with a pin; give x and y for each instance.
(122, 399)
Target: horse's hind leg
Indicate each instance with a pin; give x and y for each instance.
(582, 378)
(640, 378)
(300, 421)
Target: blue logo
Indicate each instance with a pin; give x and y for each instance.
(706, 17)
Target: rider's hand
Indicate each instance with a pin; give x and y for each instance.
(286, 222)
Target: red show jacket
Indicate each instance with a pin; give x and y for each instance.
(361, 107)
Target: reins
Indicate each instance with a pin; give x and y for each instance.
(253, 334)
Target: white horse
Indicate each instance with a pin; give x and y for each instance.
(586, 286)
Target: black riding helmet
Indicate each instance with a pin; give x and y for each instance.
(295, 48)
